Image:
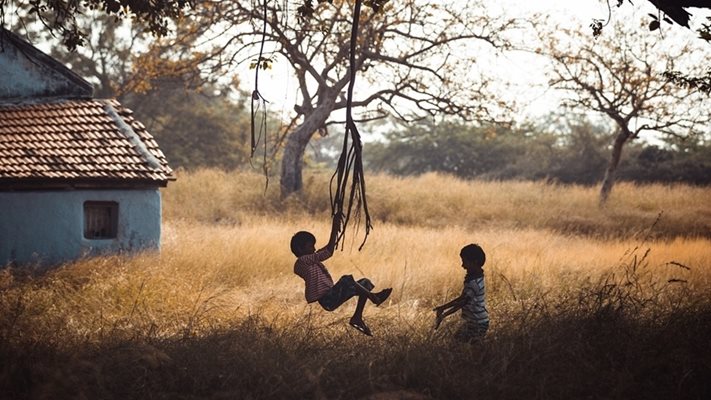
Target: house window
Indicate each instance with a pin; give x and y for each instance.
(100, 219)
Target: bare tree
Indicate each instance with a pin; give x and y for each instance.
(620, 75)
(411, 61)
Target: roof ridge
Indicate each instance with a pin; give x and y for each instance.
(131, 135)
(46, 101)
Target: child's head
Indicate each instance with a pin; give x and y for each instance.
(303, 243)
(472, 256)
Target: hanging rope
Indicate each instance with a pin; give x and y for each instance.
(351, 160)
(261, 105)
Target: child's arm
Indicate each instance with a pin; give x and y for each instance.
(326, 251)
(461, 299)
(447, 309)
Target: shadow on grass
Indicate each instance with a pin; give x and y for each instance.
(607, 354)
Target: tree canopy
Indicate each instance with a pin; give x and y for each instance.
(61, 17)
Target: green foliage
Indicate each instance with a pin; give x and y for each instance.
(61, 17)
(568, 152)
(650, 163)
(456, 149)
(701, 83)
(193, 128)
(579, 153)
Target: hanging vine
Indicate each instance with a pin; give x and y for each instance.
(261, 103)
(350, 189)
(347, 185)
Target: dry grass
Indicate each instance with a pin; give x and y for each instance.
(435, 200)
(219, 313)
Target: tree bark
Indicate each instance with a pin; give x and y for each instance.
(293, 159)
(609, 180)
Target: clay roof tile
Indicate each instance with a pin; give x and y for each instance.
(77, 138)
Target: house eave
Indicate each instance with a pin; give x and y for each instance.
(28, 184)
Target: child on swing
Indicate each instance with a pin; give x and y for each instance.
(319, 284)
(472, 300)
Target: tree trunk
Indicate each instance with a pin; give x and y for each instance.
(609, 180)
(293, 160)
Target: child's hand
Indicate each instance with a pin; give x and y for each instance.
(335, 227)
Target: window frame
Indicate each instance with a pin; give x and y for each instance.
(108, 223)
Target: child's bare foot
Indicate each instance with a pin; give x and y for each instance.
(382, 295)
(360, 325)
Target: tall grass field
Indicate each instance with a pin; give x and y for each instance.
(585, 302)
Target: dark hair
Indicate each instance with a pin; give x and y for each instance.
(299, 240)
(473, 252)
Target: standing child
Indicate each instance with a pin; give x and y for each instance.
(319, 284)
(472, 300)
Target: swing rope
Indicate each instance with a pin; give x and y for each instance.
(350, 160)
(345, 190)
(261, 103)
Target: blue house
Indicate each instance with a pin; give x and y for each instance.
(78, 176)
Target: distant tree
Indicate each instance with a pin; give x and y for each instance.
(194, 128)
(687, 161)
(620, 77)
(455, 148)
(106, 58)
(567, 149)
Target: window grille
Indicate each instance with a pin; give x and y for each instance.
(100, 219)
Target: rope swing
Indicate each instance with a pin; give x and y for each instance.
(351, 159)
(261, 105)
(347, 185)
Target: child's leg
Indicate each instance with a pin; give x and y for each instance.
(357, 318)
(358, 314)
(365, 291)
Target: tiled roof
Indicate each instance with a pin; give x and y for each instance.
(88, 140)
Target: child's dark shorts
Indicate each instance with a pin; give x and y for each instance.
(343, 290)
(469, 332)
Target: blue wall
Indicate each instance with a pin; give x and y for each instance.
(47, 227)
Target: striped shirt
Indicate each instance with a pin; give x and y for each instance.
(315, 275)
(474, 311)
